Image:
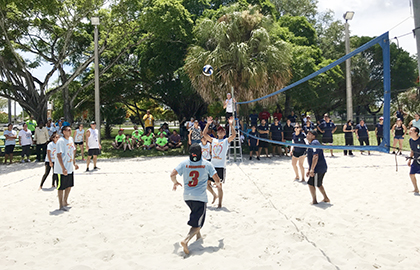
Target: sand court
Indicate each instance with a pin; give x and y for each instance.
(126, 216)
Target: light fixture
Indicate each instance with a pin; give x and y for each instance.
(94, 20)
(348, 15)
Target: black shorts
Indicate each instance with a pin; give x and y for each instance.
(298, 153)
(78, 143)
(94, 152)
(277, 139)
(253, 148)
(9, 149)
(263, 144)
(316, 180)
(364, 140)
(327, 140)
(198, 213)
(221, 172)
(119, 144)
(228, 115)
(65, 181)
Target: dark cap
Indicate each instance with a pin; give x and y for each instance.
(220, 128)
(195, 152)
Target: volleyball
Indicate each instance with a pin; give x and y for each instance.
(207, 70)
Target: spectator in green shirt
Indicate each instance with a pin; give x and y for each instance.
(135, 130)
(119, 140)
(162, 142)
(148, 140)
(162, 131)
(128, 143)
(31, 124)
(136, 139)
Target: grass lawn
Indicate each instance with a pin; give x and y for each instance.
(109, 152)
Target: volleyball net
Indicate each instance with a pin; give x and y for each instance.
(384, 146)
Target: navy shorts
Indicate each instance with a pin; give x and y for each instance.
(9, 149)
(316, 180)
(364, 140)
(327, 140)
(398, 137)
(198, 213)
(298, 153)
(415, 167)
(263, 144)
(65, 181)
(253, 148)
(78, 143)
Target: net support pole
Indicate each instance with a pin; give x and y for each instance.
(234, 122)
(387, 90)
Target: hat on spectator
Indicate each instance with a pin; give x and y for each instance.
(220, 128)
(93, 123)
(381, 118)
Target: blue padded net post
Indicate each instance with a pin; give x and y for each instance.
(387, 92)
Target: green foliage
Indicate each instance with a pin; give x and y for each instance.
(113, 115)
(304, 32)
(244, 55)
(3, 103)
(305, 8)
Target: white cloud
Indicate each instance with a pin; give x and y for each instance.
(375, 17)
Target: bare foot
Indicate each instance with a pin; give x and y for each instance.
(63, 209)
(214, 198)
(198, 236)
(184, 245)
(326, 200)
(314, 202)
(415, 191)
(39, 188)
(219, 206)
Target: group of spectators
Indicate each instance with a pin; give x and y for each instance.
(33, 133)
(148, 140)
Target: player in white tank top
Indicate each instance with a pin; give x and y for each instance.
(219, 149)
(92, 145)
(78, 137)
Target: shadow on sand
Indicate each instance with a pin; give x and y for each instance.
(197, 248)
(323, 205)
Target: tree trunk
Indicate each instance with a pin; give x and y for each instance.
(287, 107)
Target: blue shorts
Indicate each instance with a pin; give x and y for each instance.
(399, 137)
(415, 167)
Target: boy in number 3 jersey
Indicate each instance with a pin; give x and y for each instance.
(195, 172)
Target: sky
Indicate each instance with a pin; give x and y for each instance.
(371, 18)
(375, 17)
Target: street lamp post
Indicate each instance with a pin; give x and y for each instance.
(349, 100)
(95, 22)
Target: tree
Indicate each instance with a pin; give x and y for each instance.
(304, 8)
(113, 115)
(56, 33)
(239, 47)
(3, 103)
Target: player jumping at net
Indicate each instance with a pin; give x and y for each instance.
(415, 155)
(317, 167)
(195, 172)
(219, 148)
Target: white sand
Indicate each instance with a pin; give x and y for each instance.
(126, 216)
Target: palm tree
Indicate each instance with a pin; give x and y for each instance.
(244, 54)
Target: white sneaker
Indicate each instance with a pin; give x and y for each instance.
(22, 161)
(28, 160)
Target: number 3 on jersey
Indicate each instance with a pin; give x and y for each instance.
(194, 178)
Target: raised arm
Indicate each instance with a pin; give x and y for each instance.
(206, 128)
